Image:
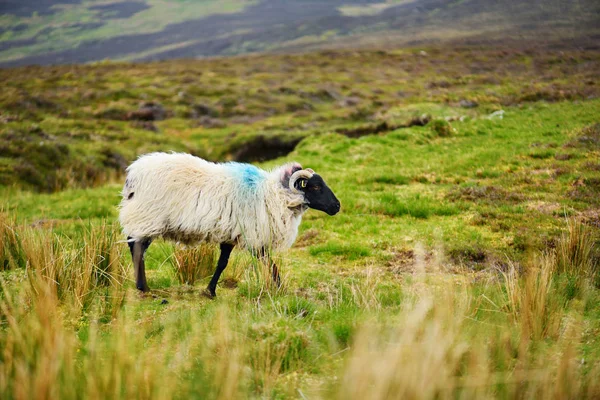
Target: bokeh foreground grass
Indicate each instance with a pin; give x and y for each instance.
(73, 327)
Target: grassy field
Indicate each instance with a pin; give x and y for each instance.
(464, 262)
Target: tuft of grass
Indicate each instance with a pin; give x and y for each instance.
(441, 128)
(540, 312)
(365, 293)
(11, 249)
(75, 268)
(194, 263)
(257, 277)
(576, 250)
(542, 154)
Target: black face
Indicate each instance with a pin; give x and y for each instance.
(318, 195)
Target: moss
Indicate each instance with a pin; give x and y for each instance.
(441, 128)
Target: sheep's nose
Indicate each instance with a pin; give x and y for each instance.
(335, 208)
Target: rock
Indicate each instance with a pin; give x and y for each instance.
(441, 84)
(209, 122)
(6, 118)
(148, 111)
(263, 148)
(350, 102)
(496, 115)
(147, 125)
(286, 90)
(200, 110)
(420, 120)
(468, 103)
(113, 159)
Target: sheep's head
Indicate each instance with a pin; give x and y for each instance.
(316, 193)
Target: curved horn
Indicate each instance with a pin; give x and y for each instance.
(303, 173)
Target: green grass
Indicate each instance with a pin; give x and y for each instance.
(347, 252)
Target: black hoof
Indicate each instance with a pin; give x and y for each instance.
(211, 294)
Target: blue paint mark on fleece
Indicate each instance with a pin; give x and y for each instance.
(250, 176)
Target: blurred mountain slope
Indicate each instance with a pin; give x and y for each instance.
(72, 31)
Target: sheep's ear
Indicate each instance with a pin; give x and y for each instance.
(287, 172)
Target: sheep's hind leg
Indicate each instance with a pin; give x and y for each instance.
(275, 274)
(138, 250)
(274, 269)
(226, 249)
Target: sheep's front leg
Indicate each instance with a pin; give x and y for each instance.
(264, 254)
(138, 250)
(226, 249)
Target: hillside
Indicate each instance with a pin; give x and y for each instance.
(74, 31)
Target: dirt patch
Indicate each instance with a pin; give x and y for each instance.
(402, 261)
(308, 238)
(441, 84)
(45, 223)
(420, 120)
(558, 171)
(589, 138)
(591, 217)
(229, 283)
(550, 94)
(564, 156)
(210, 122)
(411, 261)
(590, 166)
(472, 258)
(149, 111)
(200, 110)
(262, 148)
(146, 125)
(367, 130)
(544, 207)
(485, 193)
(383, 127)
(586, 190)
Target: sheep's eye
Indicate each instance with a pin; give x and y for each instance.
(315, 188)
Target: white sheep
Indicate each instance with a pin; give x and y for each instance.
(187, 199)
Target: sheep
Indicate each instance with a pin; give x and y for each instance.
(184, 198)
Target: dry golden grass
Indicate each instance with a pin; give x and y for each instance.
(71, 328)
(575, 250)
(194, 263)
(11, 250)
